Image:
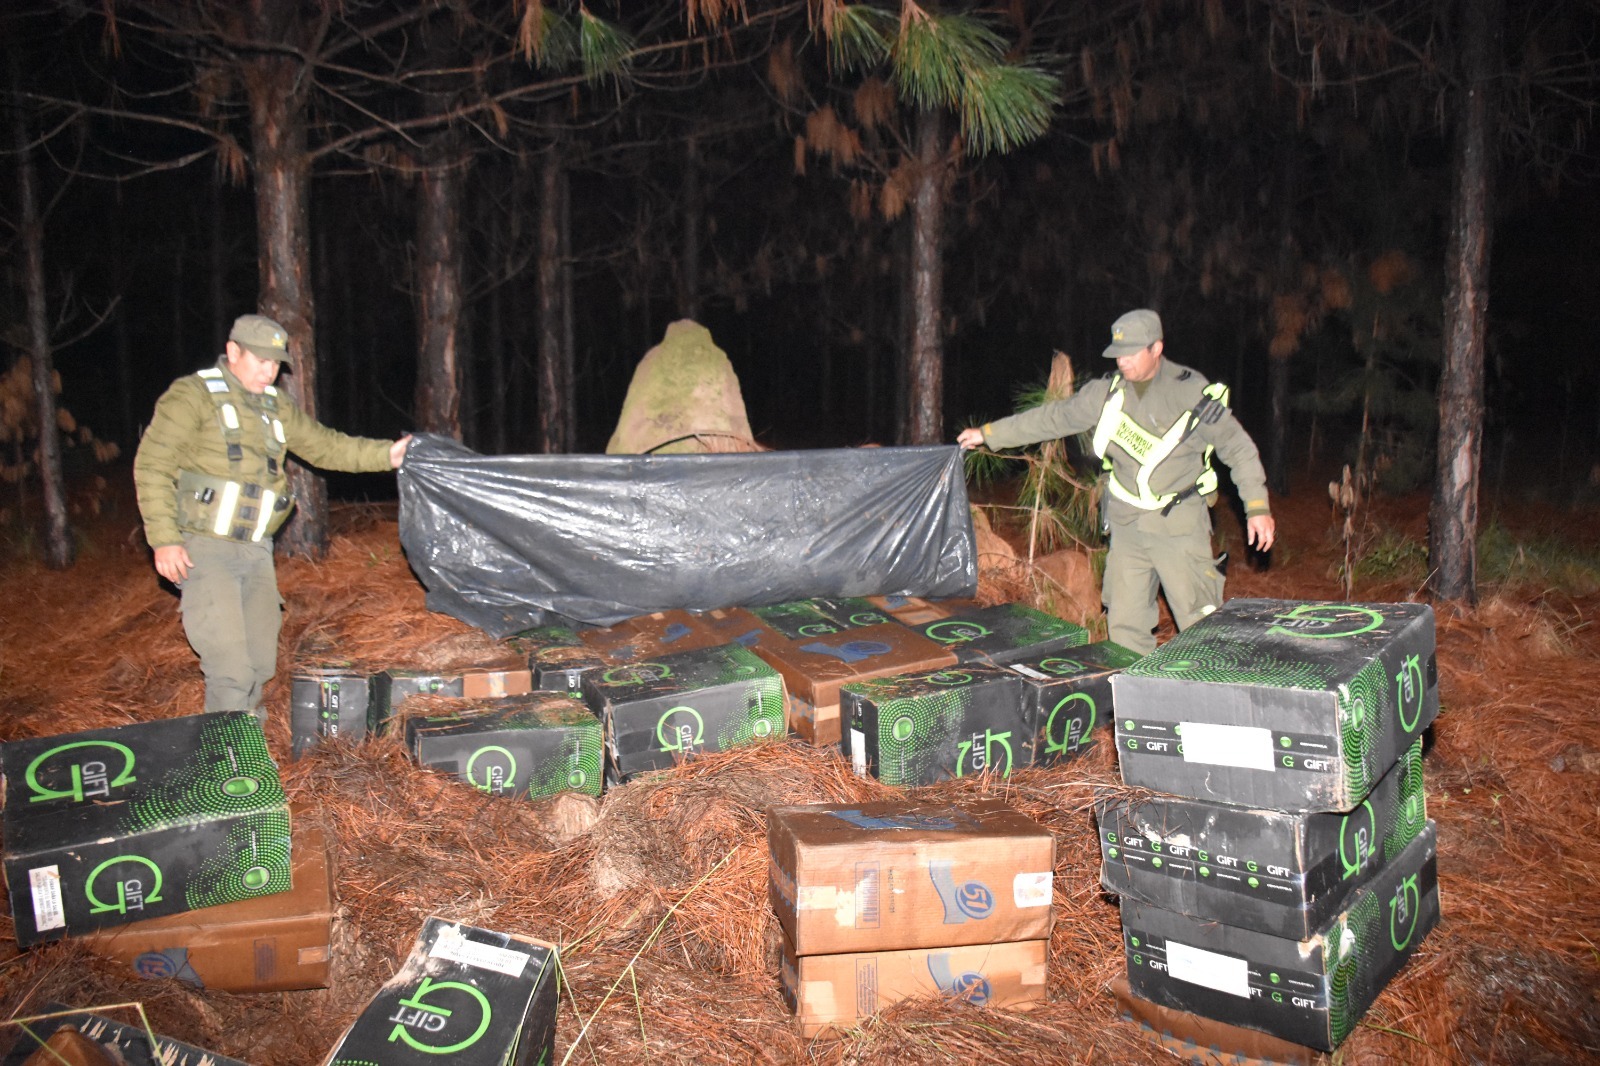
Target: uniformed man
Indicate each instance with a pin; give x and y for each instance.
(1156, 425)
(213, 490)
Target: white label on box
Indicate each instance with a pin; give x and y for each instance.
(1246, 746)
(49, 912)
(451, 945)
(816, 898)
(1031, 890)
(1209, 969)
(1028, 671)
(858, 752)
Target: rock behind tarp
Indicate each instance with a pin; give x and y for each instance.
(500, 541)
(684, 398)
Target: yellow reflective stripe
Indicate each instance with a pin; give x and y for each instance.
(209, 372)
(1164, 448)
(1109, 416)
(268, 498)
(225, 509)
(230, 416)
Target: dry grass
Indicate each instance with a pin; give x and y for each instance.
(669, 946)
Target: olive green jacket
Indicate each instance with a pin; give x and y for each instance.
(1168, 396)
(185, 434)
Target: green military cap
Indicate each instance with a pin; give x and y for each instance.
(1133, 332)
(264, 338)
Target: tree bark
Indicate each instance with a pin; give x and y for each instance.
(438, 295)
(1453, 516)
(59, 550)
(551, 359)
(925, 380)
(275, 83)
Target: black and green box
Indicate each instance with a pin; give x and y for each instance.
(820, 616)
(913, 729)
(1067, 694)
(558, 657)
(109, 826)
(710, 699)
(1278, 704)
(127, 1041)
(328, 700)
(468, 996)
(1004, 633)
(528, 746)
(1283, 874)
(1311, 991)
(391, 688)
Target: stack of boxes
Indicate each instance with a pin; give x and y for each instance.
(167, 845)
(1283, 869)
(882, 902)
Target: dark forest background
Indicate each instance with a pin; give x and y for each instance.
(505, 202)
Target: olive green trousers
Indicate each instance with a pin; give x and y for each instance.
(232, 614)
(1173, 555)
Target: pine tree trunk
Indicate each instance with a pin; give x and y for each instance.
(58, 546)
(925, 410)
(274, 82)
(1453, 517)
(552, 386)
(438, 295)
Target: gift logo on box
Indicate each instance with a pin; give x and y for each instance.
(87, 778)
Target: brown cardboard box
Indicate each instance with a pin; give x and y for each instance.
(897, 874)
(648, 636)
(1203, 1041)
(813, 670)
(480, 684)
(909, 610)
(840, 991)
(267, 944)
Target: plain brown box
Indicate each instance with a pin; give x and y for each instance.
(266, 944)
(838, 886)
(814, 678)
(487, 684)
(67, 1045)
(1202, 1040)
(829, 992)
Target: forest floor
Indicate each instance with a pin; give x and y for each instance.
(656, 893)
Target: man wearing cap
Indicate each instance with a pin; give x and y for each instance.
(213, 489)
(1156, 425)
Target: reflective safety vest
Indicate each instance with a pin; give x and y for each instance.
(1117, 427)
(233, 507)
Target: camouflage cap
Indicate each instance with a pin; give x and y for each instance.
(261, 336)
(1133, 332)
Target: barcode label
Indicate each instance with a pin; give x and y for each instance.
(49, 912)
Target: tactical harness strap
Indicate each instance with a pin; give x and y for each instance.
(234, 508)
(1150, 451)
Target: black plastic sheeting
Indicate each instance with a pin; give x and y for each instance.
(505, 542)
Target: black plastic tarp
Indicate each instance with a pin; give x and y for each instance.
(504, 542)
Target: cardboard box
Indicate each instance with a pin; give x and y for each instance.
(914, 729)
(735, 625)
(1309, 991)
(650, 636)
(125, 1043)
(268, 944)
(112, 825)
(1067, 694)
(815, 668)
(474, 997)
(1205, 1042)
(328, 700)
(1004, 633)
(1286, 706)
(391, 688)
(661, 710)
(909, 610)
(820, 616)
(530, 746)
(1283, 874)
(841, 991)
(557, 658)
(890, 875)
